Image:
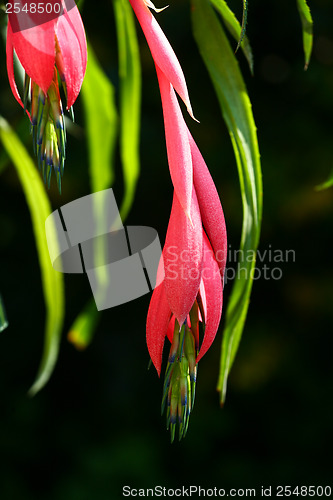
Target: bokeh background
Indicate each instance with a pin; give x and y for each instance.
(97, 426)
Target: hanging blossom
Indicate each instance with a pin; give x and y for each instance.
(189, 296)
(51, 48)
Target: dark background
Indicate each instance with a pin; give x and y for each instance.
(96, 426)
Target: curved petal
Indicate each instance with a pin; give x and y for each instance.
(158, 318)
(161, 50)
(177, 142)
(171, 328)
(182, 255)
(10, 64)
(211, 281)
(210, 206)
(35, 48)
(73, 45)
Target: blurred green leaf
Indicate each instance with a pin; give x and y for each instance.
(82, 330)
(307, 26)
(22, 130)
(3, 317)
(327, 184)
(101, 123)
(235, 29)
(53, 281)
(236, 109)
(102, 126)
(130, 100)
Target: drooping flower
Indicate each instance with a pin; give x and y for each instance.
(194, 254)
(49, 48)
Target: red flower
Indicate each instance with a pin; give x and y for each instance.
(194, 255)
(46, 48)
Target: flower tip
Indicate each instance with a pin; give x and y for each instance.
(188, 215)
(152, 6)
(190, 111)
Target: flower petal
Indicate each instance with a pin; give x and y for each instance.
(171, 328)
(161, 50)
(212, 285)
(182, 255)
(73, 45)
(10, 64)
(158, 318)
(210, 206)
(35, 48)
(177, 142)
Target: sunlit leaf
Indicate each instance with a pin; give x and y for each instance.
(130, 100)
(3, 317)
(82, 330)
(307, 26)
(52, 281)
(244, 21)
(236, 109)
(101, 126)
(235, 29)
(101, 123)
(327, 184)
(22, 130)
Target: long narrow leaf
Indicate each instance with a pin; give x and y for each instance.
(327, 184)
(235, 29)
(3, 317)
(52, 281)
(102, 128)
(101, 123)
(130, 100)
(307, 27)
(236, 109)
(82, 330)
(22, 130)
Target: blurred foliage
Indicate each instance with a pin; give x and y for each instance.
(96, 427)
(307, 26)
(52, 281)
(3, 317)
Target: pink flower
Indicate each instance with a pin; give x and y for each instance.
(194, 255)
(45, 48)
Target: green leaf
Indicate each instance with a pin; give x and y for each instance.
(101, 123)
(244, 21)
(52, 281)
(130, 100)
(22, 130)
(82, 330)
(3, 317)
(102, 126)
(235, 29)
(307, 26)
(236, 109)
(327, 184)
